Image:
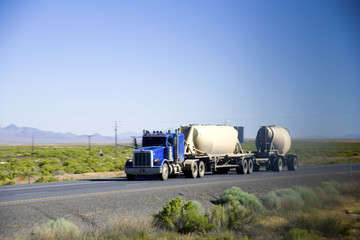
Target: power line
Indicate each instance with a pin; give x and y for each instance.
(89, 136)
(115, 137)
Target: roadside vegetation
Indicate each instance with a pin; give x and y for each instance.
(22, 162)
(328, 211)
(46, 162)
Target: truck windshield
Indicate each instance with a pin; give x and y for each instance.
(154, 141)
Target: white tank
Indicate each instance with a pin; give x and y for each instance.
(210, 140)
(279, 137)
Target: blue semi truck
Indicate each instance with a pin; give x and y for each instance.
(192, 150)
(196, 149)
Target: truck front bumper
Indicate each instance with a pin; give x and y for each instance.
(143, 170)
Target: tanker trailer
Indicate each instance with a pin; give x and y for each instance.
(216, 149)
(191, 150)
(273, 144)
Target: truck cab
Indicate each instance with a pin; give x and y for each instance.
(160, 154)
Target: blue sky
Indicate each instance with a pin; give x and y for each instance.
(77, 66)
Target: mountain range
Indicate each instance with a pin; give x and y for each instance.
(13, 134)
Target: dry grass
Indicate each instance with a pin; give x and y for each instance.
(130, 225)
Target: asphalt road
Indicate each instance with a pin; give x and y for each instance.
(92, 204)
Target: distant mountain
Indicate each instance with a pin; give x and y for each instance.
(351, 136)
(23, 135)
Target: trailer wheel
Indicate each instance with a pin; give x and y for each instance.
(165, 172)
(250, 163)
(243, 167)
(194, 170)
(278, 164)
(292, 163)
(201, 168)
(130, 177)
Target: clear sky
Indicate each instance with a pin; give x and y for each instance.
(78, 65)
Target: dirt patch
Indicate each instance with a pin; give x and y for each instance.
(73, 176)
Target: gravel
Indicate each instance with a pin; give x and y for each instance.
(95, 213)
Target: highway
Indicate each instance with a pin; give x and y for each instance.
(86, 188)
(90, 203)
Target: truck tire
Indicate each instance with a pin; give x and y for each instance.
(278, 164)
(292, 164)
(194, 170)
(250, 164)
(130, 177)
(165, 172)
(243, 167)
(201, 167)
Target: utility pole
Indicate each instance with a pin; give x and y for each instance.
(32, 149)
(115, 137)
(89, 136)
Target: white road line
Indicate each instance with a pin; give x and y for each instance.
(49, 186)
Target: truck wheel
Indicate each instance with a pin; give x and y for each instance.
(165, 172)
(194, 170)
(243, 167)
(278, 164)
(292, 163)
(130, 177)
(250, 163)
(201, 168)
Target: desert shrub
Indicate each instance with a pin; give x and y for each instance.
(70, 166)
(351, 189)
(285, 199)
(307, 194)
(128, 228)
(245, 199)
(58, 229)
(232, 216)
(83, 170)
(46, 179)
(180, 217)
(6, 179)
(15, 167)
(49, 166)
(330, 187)
(187, 218)
(192, 219)
(329, 226)
(329, 193)
(300, 234)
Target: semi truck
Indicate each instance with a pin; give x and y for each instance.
(196, 149)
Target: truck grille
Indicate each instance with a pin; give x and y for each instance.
(142, 159)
